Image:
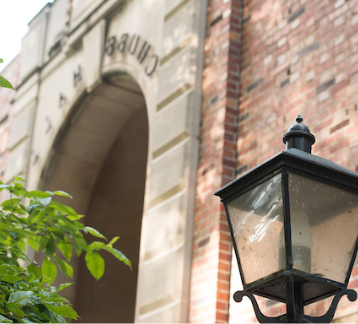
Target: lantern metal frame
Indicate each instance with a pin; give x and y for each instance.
(291, 286)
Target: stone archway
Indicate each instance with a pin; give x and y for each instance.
(100, 157)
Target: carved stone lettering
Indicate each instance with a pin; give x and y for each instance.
(123, 42)
(143, 52)
(77, 76)
(149, 71)
(110, 45)
(63, 100)
(135, 46)
(49, 125)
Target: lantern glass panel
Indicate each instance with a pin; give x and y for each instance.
(324, 227)
(257, 224)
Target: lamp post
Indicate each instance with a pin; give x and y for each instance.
(294, 224)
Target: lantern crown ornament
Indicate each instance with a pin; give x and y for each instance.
(299, 136)
(285, 216)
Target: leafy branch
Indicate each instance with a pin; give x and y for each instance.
(53, 228)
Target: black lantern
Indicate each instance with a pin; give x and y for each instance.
(294, 225)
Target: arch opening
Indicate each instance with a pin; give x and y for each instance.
(100, 157)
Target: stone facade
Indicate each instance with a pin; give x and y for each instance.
(11, 72)
(107, 108)
(141, 109)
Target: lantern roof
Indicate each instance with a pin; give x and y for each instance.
(294, 159)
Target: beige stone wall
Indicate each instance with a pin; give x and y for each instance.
(11, 73)
(58, 119)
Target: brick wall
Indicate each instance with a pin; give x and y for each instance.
(11, 73)
(298, 57)
(211, 265)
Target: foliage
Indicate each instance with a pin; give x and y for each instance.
(53, 228)
(3, 82)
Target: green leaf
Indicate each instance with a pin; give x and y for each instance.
(80, 243)
(62, 208)
(19, 178)
(118, 254)
(35, 270)
(34, 216)
(10, 279)
(114, 240)
(21, 297)
(43, 242)
(77, 249)
(5, 320)
(63, 286)
(26, 320)
(77, 217)
(69, 269)
(44, 201)
(45, 313)
(60, 319)
(31, 207)
(24, 285)
(39, 194)
(22, 245)
(64, 266)
(93, 231)
(49, 269)
(10, 203)
(50, 247)
(2, 186)
(1, 61)
(95, 246)
(65, 311)
(2, 312)
(61, 264)
(65, 248)
(95, 264)
(58, 233)
(62, 193)
(13, 308)
(4, 269)
(5, 83)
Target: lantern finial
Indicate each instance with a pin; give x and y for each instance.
(299, 137)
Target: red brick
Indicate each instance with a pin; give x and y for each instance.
(271, 109)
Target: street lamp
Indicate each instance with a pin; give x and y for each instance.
(294, 224)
